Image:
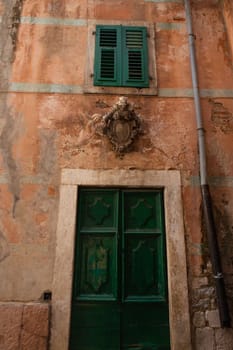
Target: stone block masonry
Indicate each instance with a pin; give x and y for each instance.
(24, 326)
(208, 334)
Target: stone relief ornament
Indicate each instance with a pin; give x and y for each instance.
(121, 125)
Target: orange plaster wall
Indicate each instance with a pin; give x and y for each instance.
(173, 58)
(1, 8)
(58, 9)
(44, 49)
(46, 132)
(213, 54)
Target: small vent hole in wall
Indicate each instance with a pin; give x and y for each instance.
(47, 295)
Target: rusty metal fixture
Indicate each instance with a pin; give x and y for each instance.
(122, 125)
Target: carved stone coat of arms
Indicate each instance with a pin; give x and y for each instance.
(121, 125)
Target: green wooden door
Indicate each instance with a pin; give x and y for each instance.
(120, 286)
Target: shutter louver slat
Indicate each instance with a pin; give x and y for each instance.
(107, 45)
(134, 42)
(108, 38)
(134, 39)
(135, 65)
(107, 64)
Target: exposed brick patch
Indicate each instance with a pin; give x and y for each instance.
(16, 13)
(4, 249)
(203, 298)
(222, 117)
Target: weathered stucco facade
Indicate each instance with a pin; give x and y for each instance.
(49, 114)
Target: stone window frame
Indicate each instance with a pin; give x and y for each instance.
(116, 90)
(170, 181)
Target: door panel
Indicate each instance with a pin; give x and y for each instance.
(145, 325)
(144, 245)
(98, 261)
(119, 297)
(98, 209)
(141, 268)
(95, 326)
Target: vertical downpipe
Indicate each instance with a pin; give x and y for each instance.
(206, 197)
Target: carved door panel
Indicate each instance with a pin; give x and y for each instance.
(120, 288)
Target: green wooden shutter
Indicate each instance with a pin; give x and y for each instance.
(121, 57)
(107, 64)
(135, 57)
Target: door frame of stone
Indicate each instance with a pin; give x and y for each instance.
(170, 181)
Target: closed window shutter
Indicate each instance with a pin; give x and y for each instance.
(121, 56)
(135, 60)
(107, 56)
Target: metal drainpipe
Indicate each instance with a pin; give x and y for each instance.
(206, 197)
